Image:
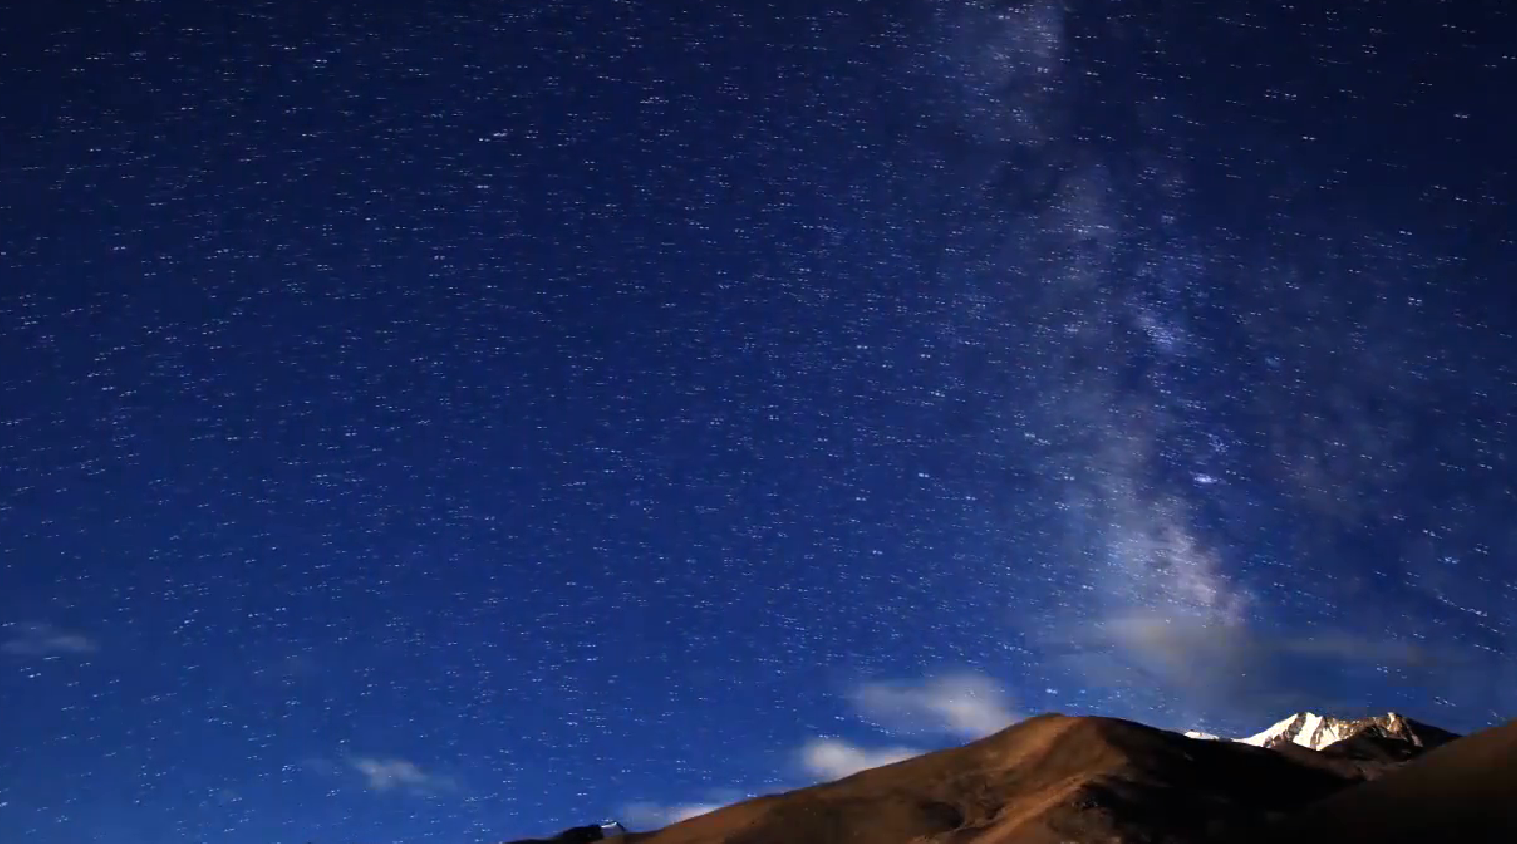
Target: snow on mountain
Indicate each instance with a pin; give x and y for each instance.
(1309, 729)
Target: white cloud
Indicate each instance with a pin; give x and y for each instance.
(47, 640)
(1184, 646)
(390, 774)
(1199, 667)
(964, 704)
(832, 759)
(655, 815)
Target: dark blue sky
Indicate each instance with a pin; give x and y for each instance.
(425, 422)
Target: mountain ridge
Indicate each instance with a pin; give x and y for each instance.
(1318, 732)
(1058, 779)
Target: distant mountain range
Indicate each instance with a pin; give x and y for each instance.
(1055, 779)
(1319, 732)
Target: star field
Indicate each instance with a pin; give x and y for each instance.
(439, 422)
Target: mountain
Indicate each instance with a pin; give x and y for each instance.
(1048, 779)
(1366, 745)
(1463, 792)
(1055, 779)
(1318, 732)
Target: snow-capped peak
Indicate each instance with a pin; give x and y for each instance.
(1309, 729)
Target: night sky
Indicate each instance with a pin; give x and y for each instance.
(432, 422)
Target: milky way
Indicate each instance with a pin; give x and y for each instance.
(428, 422)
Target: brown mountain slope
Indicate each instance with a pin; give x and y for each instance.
(1464, 792)
(1048, 780)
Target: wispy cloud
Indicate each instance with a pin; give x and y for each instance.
(962, 704)
(1180, 643)
(965, 704)
(658, 815)
(1238, 669)
(831, 759)
(399, 775)
(47, 640)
